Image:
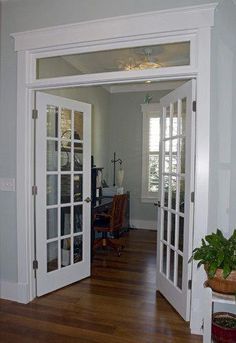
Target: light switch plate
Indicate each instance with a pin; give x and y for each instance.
(7, 185)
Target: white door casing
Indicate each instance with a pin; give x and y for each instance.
(63, 179)
(175, 229)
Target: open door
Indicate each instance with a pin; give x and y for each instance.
(62, 203)
(174, 244)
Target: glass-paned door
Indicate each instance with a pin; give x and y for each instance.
(176, 210)
(63, 174)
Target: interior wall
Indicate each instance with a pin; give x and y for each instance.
(222, 194)
(24, 15)
(126, 140)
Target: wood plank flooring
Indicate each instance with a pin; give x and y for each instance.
(118, 304)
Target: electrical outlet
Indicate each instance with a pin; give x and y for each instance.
(7, 185)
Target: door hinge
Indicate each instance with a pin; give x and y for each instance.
(34, 190)
(194, 106)
(190, 284)
(35, 264)
(192, 197)
(35, 114)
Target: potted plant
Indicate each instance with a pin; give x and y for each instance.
(218, 255)
(223, 327)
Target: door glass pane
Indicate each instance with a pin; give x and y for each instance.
(78, 125)
(175, 120)
(52, 155)
(125, 59)
(180, 272)
(52, 256)
(172, 265)
(78, 157)
(173, 192)
(52, 189)
(52, 223)
(172, 236)
(183, 116)
(165, 190)
(182, 155)
(165, 227)
(65, 252)
(52, 121)
(65, 188)
(167, 156)
(182, 195)
(78, 249)
(78, 188)
(164, 259)
(78, 218)
(65, 156)
(167, 123)
(66, 125)
(65, 221)
(181, 234)
(174, 155)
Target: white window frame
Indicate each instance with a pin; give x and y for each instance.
(152, 110)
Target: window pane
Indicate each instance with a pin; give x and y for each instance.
(127, 59)
(153, 173)
(154, 134)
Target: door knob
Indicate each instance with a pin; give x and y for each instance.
(87, 199)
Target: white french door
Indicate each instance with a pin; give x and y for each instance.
(175, 214)
(63, 179)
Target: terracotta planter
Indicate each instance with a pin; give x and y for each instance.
(221, 334)
(221, 285)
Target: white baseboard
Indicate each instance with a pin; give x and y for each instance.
(143, 224)
(14, 291)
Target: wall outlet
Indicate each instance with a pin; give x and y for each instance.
(7, 185)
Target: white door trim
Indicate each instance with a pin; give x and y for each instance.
(163, 24)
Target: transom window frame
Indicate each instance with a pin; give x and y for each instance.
(113, 32)
(152, 110)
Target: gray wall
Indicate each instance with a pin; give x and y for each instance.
(20, 15)
(222, 194)
(126, 141)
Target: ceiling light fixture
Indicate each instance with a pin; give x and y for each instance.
(147, 62)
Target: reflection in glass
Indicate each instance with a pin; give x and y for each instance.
(65, 188)
(78, 125)
(164, 259)
(78, 218)
(174, 155)
(180, 272)
(52, 256)
(182, 195)
(167, 123)
(52, 223)
(173, 192)
(78, 249)
(183, 117)
(182, 155)
(172, 236)
(166, 190)
(65, 157)
(52, 155)
(65, 220)
(175, 119)
(181, 234)
(165, 229)
(78, 157)
(172, 265)
(52, 189)
(65, 252)
(65, 128)
(78, 187)
(52, 121)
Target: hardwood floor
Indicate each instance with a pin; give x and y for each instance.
(117, 304)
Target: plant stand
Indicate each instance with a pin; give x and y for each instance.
(210, 298)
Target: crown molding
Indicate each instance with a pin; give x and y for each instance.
(115, 28)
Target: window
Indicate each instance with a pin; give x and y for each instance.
(150, 157)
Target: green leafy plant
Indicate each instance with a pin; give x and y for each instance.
(216, 252)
